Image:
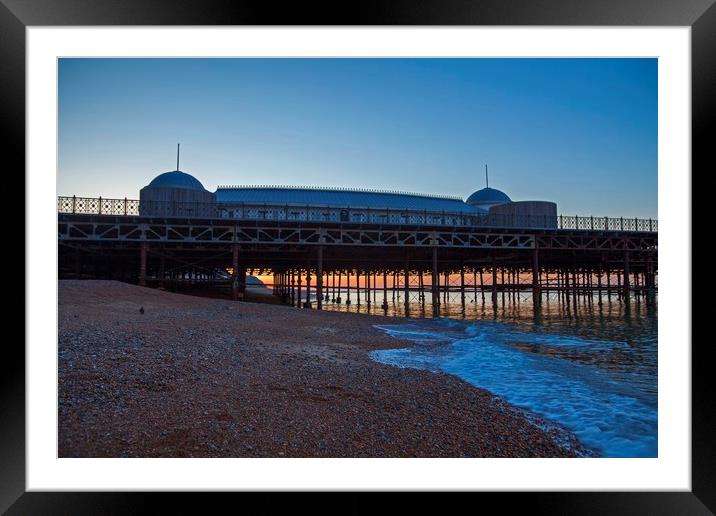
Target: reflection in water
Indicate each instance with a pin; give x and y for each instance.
(588, 366)
(555, 309)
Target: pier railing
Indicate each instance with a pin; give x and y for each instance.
(299, 213)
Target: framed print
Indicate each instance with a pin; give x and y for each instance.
(414, 250)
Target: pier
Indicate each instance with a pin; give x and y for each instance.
(313, 262)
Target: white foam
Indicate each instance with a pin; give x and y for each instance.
(609, 411)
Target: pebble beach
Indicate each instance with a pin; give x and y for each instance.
(200, 377)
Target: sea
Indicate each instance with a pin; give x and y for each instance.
(587, 364)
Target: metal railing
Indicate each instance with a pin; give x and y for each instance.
(313, 213)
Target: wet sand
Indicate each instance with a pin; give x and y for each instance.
(200, 377)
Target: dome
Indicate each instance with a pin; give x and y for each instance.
(176, 179)
(488, 196)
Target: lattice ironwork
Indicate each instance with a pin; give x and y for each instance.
(132, 229)
(98, 206)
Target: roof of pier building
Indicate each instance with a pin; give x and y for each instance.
(488, 197)
(176, 179)
(342, 197)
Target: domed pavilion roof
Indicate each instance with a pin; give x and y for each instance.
(176, 179)
(488, 196)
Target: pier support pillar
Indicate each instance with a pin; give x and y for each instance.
(421, 286)
(395, 275)
(625, 283)
(242, 283)
(348, 286)
(651, 281)
(307, 304)
(494, 282)
(474, 284)
(435, 284)
(406, 287)
(502, 284)
(384, 306)
(298, 288)
(536, 291)
(367, 287)
(375, 288)
(331, 296)
(574, 287)
(286, 294)
(462, 285)
(143, 264)
(293, 287)
(319, 279)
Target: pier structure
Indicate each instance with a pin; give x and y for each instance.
(316, 262)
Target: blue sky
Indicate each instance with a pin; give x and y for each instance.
(580, 132)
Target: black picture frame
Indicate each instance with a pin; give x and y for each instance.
(700, 15)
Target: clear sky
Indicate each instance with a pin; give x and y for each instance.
(580, 132)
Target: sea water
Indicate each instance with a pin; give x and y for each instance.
(590, 368)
